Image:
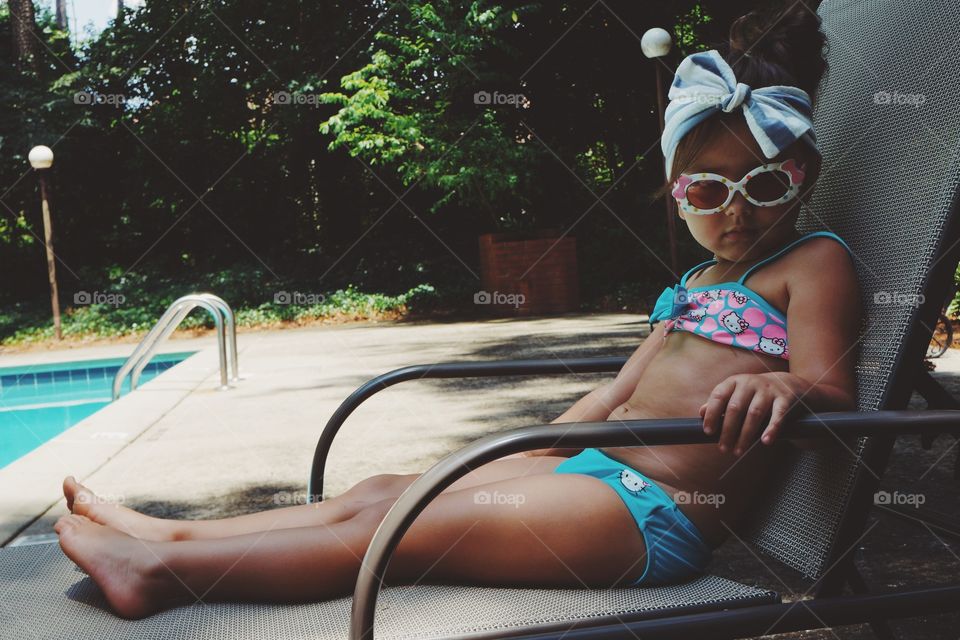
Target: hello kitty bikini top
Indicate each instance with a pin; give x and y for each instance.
(729, 312)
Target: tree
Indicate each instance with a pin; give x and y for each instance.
(62, 15)
(427, 105)
(26, 51)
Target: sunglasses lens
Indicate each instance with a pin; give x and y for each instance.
(768, 186)
(707, 194)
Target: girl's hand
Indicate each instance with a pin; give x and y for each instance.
(742, 403)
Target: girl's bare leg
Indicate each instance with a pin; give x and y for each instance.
(82, 501)
(565, 530)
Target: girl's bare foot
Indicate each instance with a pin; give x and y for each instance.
(130, 574)
(84, 502)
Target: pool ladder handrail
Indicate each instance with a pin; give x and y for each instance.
(226, 325)
(229, 323)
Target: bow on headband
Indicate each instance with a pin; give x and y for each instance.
(704, 83)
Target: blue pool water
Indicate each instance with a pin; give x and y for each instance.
(38, 402)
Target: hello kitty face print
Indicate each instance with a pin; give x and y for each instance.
(634, 483)
(773, 346)
(733, 322)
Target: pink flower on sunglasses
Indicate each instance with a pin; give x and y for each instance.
(681, 186)
(796, 173)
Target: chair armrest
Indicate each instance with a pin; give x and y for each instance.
(481, 369)
(597, 434)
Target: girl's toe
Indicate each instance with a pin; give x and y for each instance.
(64, 523)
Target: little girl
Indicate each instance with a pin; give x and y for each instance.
(741, 156)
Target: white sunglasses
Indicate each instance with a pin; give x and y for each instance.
(766, 186)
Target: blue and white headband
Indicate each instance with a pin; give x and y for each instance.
(704, 83)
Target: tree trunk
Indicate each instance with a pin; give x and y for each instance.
(26, 47)
(120, 9)
(62, 15)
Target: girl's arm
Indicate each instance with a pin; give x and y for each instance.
(597, 405)
(824, 319)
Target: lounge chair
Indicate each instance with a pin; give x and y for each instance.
(889, 187)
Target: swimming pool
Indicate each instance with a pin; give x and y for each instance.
(38, 402)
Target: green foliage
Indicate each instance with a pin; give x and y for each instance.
(953, 306)
(595, 163)
(412, 107)
(140, 299)
(687, 29)
(349, 301)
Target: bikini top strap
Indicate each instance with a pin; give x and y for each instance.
(683, 280)
(790, 246)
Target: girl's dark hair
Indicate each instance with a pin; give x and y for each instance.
(776, 44)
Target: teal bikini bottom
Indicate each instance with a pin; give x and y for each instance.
(675, 548)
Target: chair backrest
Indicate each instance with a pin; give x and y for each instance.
(887, 119)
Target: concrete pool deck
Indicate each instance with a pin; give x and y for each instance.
(200, 452)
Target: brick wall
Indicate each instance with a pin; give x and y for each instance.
(530, 274)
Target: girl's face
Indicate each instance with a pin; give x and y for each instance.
(759, 230)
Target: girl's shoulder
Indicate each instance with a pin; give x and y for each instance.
(822, 267)
(818, 245)
(821, 257)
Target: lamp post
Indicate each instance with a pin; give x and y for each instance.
(655, 44)
(41, 159)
